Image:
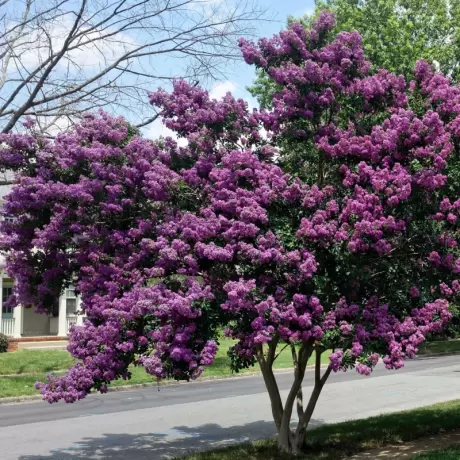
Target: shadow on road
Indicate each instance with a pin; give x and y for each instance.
(176, 442)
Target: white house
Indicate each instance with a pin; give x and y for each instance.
(20, 322)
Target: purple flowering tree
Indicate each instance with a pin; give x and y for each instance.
(353, 247)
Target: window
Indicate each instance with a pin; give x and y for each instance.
(6, 292)
(71, 301)
(55, 308)
(9, 218)
(71, 307)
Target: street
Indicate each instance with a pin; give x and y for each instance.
(178, 419)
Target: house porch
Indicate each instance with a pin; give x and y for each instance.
(22, 323)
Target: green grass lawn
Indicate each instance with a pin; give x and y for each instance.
(20, 370)
(451, 453)
(221, 365)
(19, 385)
(34, 361)
(24, 368)
(335, 442)
(444, 346)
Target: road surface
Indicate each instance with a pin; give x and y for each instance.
(179, 419)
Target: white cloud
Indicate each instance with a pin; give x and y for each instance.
(219, 90)
(52, 126)
(158, 129)
(95, 54)
(308, 11)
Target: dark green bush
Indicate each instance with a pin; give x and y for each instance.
(3, 343)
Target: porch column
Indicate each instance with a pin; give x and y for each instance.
(79, 312)
(62, 319)
(18, 315)
(1, 300)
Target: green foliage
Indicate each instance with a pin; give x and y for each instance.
(3, 343)
(452, 330)
(263, 89)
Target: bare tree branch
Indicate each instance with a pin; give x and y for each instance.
(148, 121)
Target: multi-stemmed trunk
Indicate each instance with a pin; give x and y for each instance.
(292, 440)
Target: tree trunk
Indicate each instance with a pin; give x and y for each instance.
(266, 366)
(301, 431)
(288, 441)
(304, 421)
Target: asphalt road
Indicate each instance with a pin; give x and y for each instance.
(178, 419)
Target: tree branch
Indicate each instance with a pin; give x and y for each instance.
(61, 79)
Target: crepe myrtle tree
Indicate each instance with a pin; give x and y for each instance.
(353, 248)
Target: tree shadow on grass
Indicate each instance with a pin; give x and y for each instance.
(177, 442)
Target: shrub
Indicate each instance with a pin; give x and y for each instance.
(3, 343)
